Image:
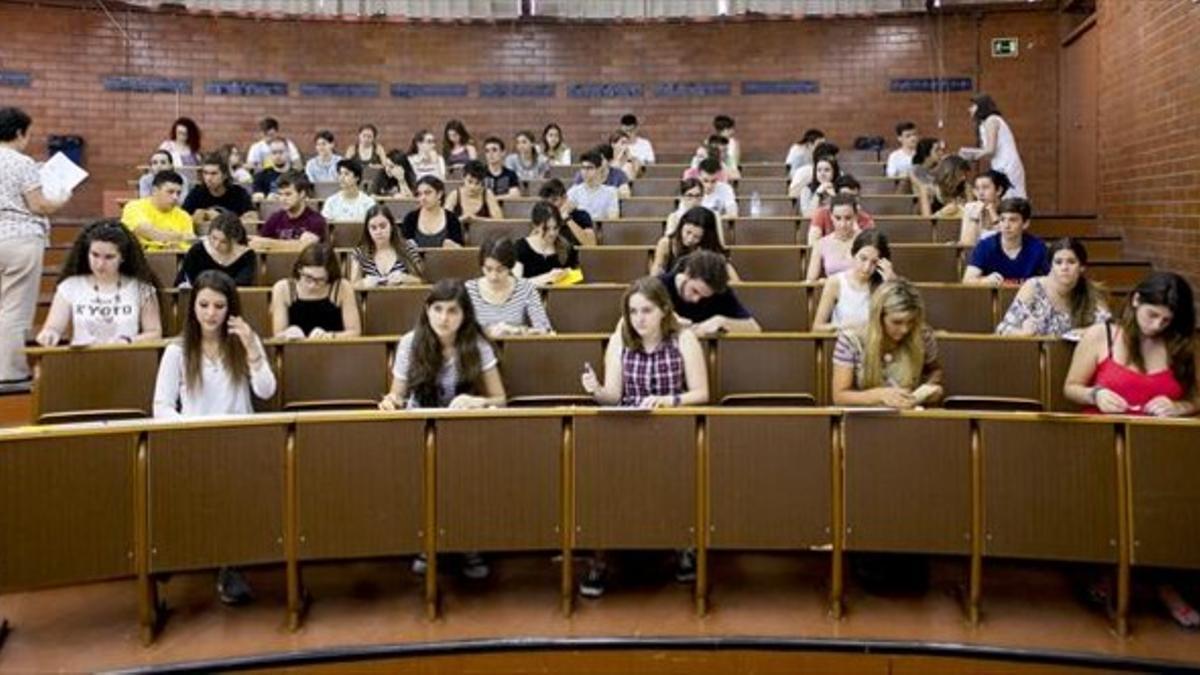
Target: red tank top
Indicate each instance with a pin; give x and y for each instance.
(1136, 388)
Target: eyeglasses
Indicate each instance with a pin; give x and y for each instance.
(692, 195)
(310, 279)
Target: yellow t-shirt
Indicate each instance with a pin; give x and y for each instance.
(141, 211)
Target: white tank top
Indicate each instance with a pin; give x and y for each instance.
(852, 303)
(1006, 158)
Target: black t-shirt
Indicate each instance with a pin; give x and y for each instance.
(581, 218)
(197, 260)
(234, 199)
(453, 230)
(719, 304)
(535, 264)
(501, 183)
(265, 180)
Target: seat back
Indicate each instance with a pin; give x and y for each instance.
(614, 264)
(588, 308)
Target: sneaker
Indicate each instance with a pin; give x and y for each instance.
(474, 567)
(685, 572)
(420, 564)
(232, 587)
(594, 581)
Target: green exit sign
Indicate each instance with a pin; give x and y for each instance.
(1004, 48)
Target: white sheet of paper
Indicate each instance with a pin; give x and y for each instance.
(60, 175)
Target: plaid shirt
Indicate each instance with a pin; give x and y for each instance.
(659, 373)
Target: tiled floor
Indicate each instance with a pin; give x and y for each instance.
(371, 603)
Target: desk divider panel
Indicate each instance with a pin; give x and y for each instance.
(99, 379)
(360, 488)
(450, 263)
(585, 309)
(393, 311)
(1049, 490)
(622, 232)
(769, 482)
(768, 263)
(958, 308)
(777, 307)
(1059, 353)
(765, 365)
(326, 371)
(927, 262)
(1164, 464)
(498, 484)
(635, 481)
(216, 496)
(991, 367)
(907, 484)
(749, 231)
(549, 366)
(66, 509)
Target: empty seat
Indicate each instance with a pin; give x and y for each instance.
(783, 206)
(334, 373)
(345, 234)
(757, 232)
(770, 186)
(546, 369)
(768, 263)
(908, 231)
(991, 372)
(324, 190)
(614, 264)
(926, 262)
(888, 205)
(392, 310)
(766, 370)
(765, 170)
(858, 169)
(958, 308)
(72, 385)
(451, 263)
(399, 207)
(778, 307)
(480, 231)
(655, 187)
(629, 232)
(647, 207)
(277, 265)
(586, 308)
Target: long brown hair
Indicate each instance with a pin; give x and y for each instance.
(1172, 291)
(1087, 295)
(366, 245)
(426, 361)
(133, 261)
(710, 237)
(653, 290)
(233, 352)
(541, 215)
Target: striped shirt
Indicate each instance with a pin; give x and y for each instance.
(523, 307)
(366, 262)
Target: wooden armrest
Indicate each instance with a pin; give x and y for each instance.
(333, 403)
(999, 403)
(71, 416)
(551, 400)
(780, 400)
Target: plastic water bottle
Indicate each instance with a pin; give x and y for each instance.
(755, 205)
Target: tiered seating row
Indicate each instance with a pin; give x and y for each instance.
(137, 500)
(776, 369)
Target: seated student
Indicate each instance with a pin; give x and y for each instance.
(225, 249)
(581, 231)
(397, 178)
(703, 301)
(424, 157)
(899, 162)
(607, 174)
(473, 200)
(367, 150)
(323, 167)
(715, 147)
(432, 226)
(106, 293)
(927, 155)
(295, 225)
(505, 304)
(184, 143)
(801, 152)
(846, 296)
(947, 195)
(527, 161)
(821, 222)
(718, 195)
(545, 257)
(691, 192)
(600, 201)
(260, 156)
(1144, 365)
(266, 181)
(831, 254)
(315, 302)
(160, 161)
(804, 176)
(446, 361)
(236, 168)
(698, 229)
(820, 189)
(157, 220)
(892, 359)
(1064, 302)
(979, 218)
(650, 362)
(216, 192)
(640, 147)
(553, 147)
(725, 127)
(384, 257)
(501, 180)
(623, 160)
(212, 368)
(457, 146)
(1012, 257)
(349, 203)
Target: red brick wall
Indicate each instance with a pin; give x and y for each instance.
(68, 51)
(1149, 128)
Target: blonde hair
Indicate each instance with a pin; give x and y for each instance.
(908, 359)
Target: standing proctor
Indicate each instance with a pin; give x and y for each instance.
(24, 231)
